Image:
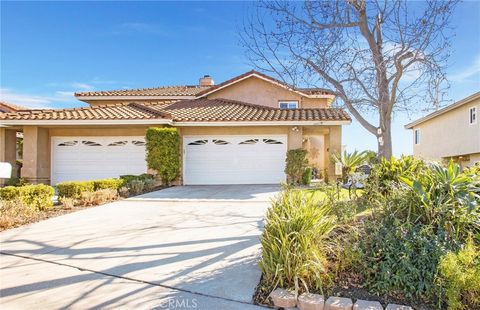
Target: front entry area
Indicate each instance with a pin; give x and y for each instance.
(91, 158)
(257, 159)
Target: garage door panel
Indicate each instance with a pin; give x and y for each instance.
(256, 162)
(89, 158)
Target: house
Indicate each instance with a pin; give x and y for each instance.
(449, 133)
(6, 107)
(235, 132)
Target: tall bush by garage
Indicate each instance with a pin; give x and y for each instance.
(296, 163)
(163, 152)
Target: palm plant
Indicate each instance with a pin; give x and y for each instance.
(349, 161)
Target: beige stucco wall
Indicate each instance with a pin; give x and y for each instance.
(258, 91)
(37, 141)
(8, 149)
(449, 134)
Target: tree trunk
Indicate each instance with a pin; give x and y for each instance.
(384, 138)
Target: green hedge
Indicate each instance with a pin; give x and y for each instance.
(38, 196)
(295, 165)
(142, 177)
(163, 152)
(108, 184)
(74, 189)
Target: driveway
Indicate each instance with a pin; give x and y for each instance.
(183, 247)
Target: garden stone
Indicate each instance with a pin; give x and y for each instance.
(338, 303)
(283, 298)
(398, 307)
(367, 305)
(309, 301)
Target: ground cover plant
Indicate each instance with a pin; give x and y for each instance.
(411, 236)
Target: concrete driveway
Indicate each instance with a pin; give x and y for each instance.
(186, 247)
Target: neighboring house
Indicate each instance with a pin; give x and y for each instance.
(450, 133)
(236, 132)
(6, 107)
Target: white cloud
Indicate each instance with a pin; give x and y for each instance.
(468, 72)
(82, 86)
(35, 101)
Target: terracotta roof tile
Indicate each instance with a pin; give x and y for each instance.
(208, 110)
(187, 90)
(6, 107)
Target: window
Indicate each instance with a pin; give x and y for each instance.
(288, 104)
(271, 141)
(473, 115)
(68, 143)
(91, 143)
(138, 143)
(118, 143)
(249, 141)
(417, 136)
(220, 142)
(198, 142)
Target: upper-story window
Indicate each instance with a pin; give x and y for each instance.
(416, 137)
(288, 104)
(473, 115)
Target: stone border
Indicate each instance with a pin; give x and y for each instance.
(307, 301)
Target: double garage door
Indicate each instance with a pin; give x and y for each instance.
(206, 159)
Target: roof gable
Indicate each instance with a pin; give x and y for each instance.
(307, 92)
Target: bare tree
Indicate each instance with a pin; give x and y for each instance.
(377, 56)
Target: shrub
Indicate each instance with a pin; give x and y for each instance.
(163, 152)
(293, 252)
(108, 184)
(16, 182)
(350, 161)
(459, 274)
(74, 189)
(38, 196)
(15, 212)
(124, 192)
(296, 163)
(148, 185)
(107, 194)
(67, 203)
(136, 187)
(142, 177)
(307, 176)
(88, 199)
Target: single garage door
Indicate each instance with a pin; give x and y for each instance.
(90, 158)
(234, 159)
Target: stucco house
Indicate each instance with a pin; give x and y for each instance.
(449, 133)
(235, 132)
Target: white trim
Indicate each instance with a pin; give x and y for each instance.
(74, 122)
(474, 108)
(267, 80)
(132, 97)
(444, 110)
(261, 123)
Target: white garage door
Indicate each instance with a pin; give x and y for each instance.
(234, 159)
(90, 158)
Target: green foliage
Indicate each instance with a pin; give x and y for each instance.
(38, 197)
(293, 252)
(296, 164)
(16, 182)
(74, 189)
(350, 161)
(136, 187)
(459, 274)
(142, 177)
(400, 259)
(307, 176)
(108, 184)
(163, 152)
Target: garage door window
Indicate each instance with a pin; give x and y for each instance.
(91, 143)
(249, 141)
(68, 143)
(198, 142)
(138, 143)
(220, 142)
(271, 141)
(118, 143)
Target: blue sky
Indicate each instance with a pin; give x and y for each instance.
(51, 49)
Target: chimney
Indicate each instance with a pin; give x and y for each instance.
(206, 80)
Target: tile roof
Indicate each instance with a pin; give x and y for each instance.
(196, 90)
(6, 107)
(197, 110)
(187, 90)
(101, 112)
(306, 91)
